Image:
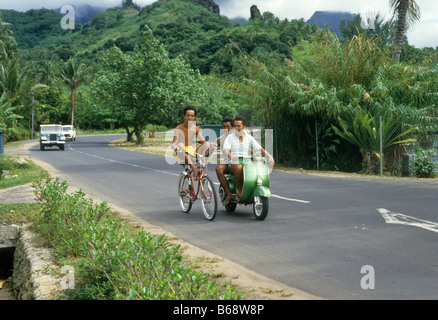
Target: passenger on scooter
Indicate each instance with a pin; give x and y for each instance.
(222, 167)
(239, 145)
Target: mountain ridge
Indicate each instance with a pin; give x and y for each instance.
(331, 19)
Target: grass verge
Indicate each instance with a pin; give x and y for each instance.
(17, 171)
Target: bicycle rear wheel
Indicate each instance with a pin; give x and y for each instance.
(208, 198)
(184, 188)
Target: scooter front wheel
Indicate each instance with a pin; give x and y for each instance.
(260, 207)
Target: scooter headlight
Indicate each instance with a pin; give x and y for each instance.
(259, 181)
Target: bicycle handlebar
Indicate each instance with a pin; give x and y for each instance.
(198, 157)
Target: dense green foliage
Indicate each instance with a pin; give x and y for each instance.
(342, 77)
(423, 164)
(281, 74)
(145, 87)
(34, 26)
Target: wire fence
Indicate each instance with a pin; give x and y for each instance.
(397, 141)
(389, 145)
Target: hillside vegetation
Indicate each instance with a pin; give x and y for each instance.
(293, 77)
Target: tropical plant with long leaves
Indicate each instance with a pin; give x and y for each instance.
(8, 117)
(13, 80)
(8, 44)
(362, 128)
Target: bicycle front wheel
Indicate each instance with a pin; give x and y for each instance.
(184, 195)
(208, 198)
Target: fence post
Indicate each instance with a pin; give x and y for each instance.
(381, 147)
(317, 148)
(276, 141)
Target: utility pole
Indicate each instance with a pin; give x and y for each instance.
(33, 95)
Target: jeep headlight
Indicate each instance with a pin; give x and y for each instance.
(61, 137)
(43, 137)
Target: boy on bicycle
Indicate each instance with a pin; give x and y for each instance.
(183, 142)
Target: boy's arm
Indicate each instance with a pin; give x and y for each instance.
(267, 155)
(199, 136)
(176, 145)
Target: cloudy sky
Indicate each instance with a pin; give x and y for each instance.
(424, 33)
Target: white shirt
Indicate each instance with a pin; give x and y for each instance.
(241, 149)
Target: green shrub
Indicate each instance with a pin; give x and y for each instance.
(423, 165)
(112, 262)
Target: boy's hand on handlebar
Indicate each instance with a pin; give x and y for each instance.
(271, 161)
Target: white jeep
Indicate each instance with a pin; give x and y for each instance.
(69, 132)
(51, 135)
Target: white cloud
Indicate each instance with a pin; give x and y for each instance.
(424, 34)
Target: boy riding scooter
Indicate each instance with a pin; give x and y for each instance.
(239, 146)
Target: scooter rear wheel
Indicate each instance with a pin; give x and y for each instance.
(260, 207)
(230, 207)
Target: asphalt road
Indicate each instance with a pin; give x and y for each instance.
(334, 237)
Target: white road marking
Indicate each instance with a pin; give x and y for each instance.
(166, 172)
(289, 199)
(399, 218)
(122, 162)
(280, 197)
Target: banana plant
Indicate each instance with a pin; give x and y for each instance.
(362, 129)
(7, 116)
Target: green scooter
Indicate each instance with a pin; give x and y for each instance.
(255, 189)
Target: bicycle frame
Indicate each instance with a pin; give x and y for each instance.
(201, 174)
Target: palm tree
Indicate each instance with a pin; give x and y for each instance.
(406, 12)
(8, 45)
(46, 72)
(73, 76)
(13, 80)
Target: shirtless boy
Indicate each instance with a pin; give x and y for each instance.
(183, 141)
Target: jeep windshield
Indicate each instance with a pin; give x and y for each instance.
(51, 128)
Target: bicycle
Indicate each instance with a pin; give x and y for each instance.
(188, 193)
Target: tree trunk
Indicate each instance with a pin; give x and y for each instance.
(72, 102)
(138, 133)
(400, 29)
(129, 134)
